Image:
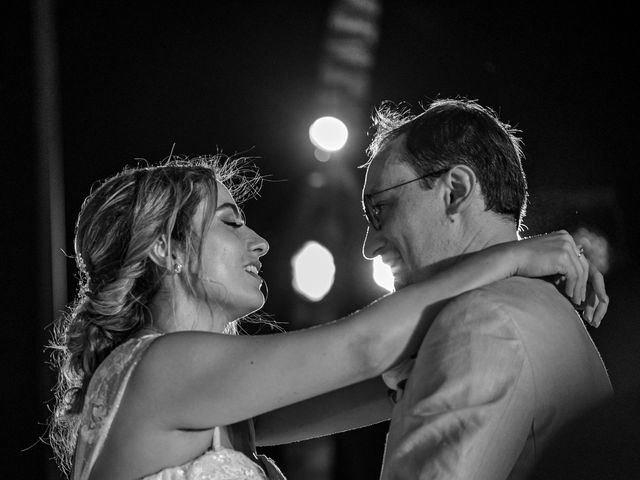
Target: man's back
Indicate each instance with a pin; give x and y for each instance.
(500, 371)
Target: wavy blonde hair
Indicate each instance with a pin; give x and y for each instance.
(118, 224)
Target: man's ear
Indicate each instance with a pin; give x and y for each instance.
(161, 254)
(461, 182)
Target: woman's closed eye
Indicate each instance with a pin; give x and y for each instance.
(235, 222)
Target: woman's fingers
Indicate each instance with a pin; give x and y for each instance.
(598, 299)
(600, 312)
(584, 277)
(574, 268)
(581, 270)
(589, 309)
(583, 283)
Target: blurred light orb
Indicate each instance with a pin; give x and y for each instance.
(382, 274)
(313, 271)
(321, 155)
(328, 133)
(597, 248)
(316, 180)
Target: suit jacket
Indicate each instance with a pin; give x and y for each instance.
(500, 370)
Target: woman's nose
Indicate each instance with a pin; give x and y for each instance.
(259, 245)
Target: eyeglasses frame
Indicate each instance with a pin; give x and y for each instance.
(371, 212)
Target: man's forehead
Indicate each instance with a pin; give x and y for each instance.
(388, 166)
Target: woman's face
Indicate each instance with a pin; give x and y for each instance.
(230, 260)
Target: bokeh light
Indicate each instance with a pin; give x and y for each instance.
(596, 248)
(328, 134)
(382, 274)
(313, 271)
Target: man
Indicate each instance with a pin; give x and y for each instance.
(503, 367)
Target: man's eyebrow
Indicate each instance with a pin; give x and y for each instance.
(373, 189)
(379, 190)
(378, 186)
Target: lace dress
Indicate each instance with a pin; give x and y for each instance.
(103, 399)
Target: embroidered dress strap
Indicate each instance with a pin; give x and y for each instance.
(102, 401)
(242, 437)
(217, 446)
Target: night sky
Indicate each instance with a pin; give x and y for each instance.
(135, 78)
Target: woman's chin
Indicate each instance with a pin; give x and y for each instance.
(254, 307)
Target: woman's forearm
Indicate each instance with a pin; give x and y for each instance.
(355, 406)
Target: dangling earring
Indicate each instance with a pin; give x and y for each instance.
(177, 268)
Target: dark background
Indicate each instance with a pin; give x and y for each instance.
(136, 77)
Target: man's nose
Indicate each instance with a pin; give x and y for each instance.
(372, 243)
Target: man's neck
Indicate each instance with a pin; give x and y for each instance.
(482, 234)
(487, 234)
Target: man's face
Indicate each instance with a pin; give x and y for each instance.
(414, 228)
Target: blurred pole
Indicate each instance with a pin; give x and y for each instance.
(328, 211)
(349, 55)
(52, 276)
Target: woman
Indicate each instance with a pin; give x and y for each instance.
(153, 383)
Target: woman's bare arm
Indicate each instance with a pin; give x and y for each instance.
(355, 406)
(195, 380)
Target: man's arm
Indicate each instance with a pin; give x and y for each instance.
(467, 407)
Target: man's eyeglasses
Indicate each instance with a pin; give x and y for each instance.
(372, 211)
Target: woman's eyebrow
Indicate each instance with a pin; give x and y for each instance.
(236, 211)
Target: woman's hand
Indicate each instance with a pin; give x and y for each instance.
(597, 302)
(556, 254)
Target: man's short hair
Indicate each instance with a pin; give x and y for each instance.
(460, 132)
